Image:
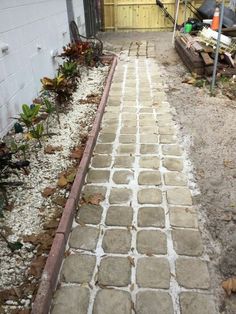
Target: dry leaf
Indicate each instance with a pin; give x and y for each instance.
(37, 266)
(95, 199)
(229, 164)
(59, 200)
(71, 177)
(131, 260)
(190, 79)
(49, 149)
(48, 191)
(229, 285)
(67, 253)
(62, 182)
(77, 153)
(53, 224)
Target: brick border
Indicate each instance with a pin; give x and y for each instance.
(51, 270)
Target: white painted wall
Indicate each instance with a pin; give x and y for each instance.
(31, 29)
(78, 6)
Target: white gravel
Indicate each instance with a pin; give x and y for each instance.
(25, 218)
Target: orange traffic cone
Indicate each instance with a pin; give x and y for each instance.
(216, 20)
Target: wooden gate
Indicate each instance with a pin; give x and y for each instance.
(139, 15)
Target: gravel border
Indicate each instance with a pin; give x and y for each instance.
(51, 270)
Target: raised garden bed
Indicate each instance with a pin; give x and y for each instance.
(35, 207)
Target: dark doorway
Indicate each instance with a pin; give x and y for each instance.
(92, 17)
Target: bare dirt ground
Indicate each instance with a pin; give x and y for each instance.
(207, 128)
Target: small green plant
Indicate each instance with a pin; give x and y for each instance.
(49, 108)
(22, 147)
(61, 88)
(83, 52)
(37, 133)
(29, 115)
(13, 246)
(69, 69)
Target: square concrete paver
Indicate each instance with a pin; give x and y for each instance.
(127, 139)
(103, 149)
(119, 216)
(192, 273)
(78, 268)
(173, 164)
(116, 241)
(149, 196)
(128, 130)
(84, 238)
(167, 139)
(90, 214)
(179, 196)
(109, 301)
(144, 130)
(185, 217)
(175, 178)
(197, 303)
(120, 195)
(153, 302)
(149, 149)
(153, 272)
(114, 271)
(171, 150)
(148, 139)
(126, 149)
(149, 178)
(123, 176)
(98, 176)
(151, 162)
(101, 161)
(73, 300)
(151, 242)
(124, 162)
(151, 217)
(187, 242)
(90, 190)
(166, 130)
(106, 138)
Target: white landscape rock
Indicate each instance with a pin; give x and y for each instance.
(25, 218)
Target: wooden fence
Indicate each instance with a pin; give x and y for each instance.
(140, 15)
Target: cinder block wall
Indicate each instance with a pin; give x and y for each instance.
(33, 31)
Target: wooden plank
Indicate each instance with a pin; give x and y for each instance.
(138, 15)
(206, 58)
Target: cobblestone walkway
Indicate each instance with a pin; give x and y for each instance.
(140, 250)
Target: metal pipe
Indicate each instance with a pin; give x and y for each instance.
(176, 17)
(185, 9)
(217, 49)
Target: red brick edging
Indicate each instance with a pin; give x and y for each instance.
(53, 264)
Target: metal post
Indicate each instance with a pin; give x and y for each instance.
(185, 9)
(176, 18)
(217, 49)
